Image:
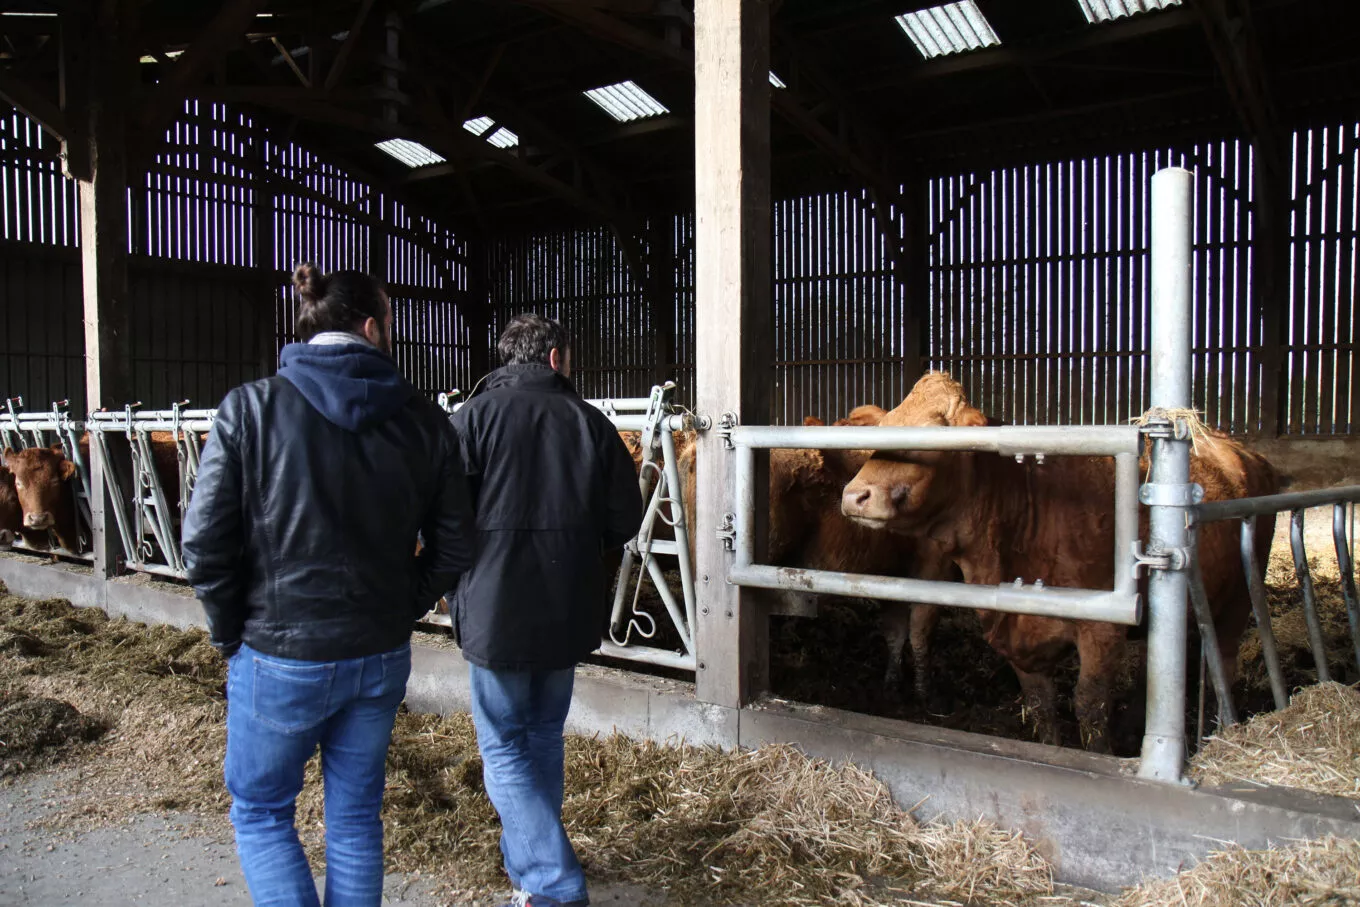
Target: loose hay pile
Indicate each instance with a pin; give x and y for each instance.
(1322, 873)
(1312, 745)
(36, 732)
(770, 826)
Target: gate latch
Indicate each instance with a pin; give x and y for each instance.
(727, 422)
(1173, 559)
(727, 532)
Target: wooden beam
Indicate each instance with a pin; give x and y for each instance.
(733, 325)
(225, 31)
(342, 57)
(34, 105)
(292, 63)
(266, 270)
(475, 95)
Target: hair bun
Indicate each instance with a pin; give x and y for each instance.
(311, 286)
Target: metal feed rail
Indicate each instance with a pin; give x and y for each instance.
(20, 430)
(1247, 510)
(148, 520)
(656, 418)
(1119, 605)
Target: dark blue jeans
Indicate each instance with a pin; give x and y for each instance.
(519, 717)
(278, 711)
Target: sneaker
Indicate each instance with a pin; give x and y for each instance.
(525, 899)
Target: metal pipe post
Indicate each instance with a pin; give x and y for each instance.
(1310, 611)
(1210, 653)
(1347, 565)
(1163, 755)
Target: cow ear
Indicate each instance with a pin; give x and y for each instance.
(812, 420)
(68, 470)
(57, 449)
(969, 417)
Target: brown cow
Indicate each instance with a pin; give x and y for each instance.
(42, 481)
(41, 475)
(807, 530)
(11, 511)
(998, 520)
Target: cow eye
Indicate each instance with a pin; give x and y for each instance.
(18, 484)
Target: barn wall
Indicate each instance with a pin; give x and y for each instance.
(212, 241)
(1039, 293)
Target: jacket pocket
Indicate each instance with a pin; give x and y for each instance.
(291, 698)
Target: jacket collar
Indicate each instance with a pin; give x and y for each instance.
(530, 376)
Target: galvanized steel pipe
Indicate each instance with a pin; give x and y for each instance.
(1076, 604)
(1010, 440)
(1163, 753)
(1240, 508)
(1344, 561)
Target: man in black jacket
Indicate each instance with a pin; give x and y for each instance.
(300, 543)
(553, 487)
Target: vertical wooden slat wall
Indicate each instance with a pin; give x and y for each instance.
(199, 322)
(1038, 280)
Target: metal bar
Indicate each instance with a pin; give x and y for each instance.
(1204, 618)
(1347, 565)
(1074, 604)
(668, 599)
(1060, 440)
(1310, 612)
(1264, 630)
(1125, 522)
(662, 657)
(743, 508)
(1274, 503)
(679, 526)
(1163, 752)
(639, 422)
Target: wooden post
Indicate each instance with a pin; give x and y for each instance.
(265, 265)
(476, 308)
(661, 289)
(104, 254)
(733, 323)
(1270, 276)
(377, 241)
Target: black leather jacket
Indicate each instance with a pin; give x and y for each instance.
(300, 539)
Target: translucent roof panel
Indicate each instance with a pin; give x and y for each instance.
(1105, 10)
(625, 102)
(949, 29)
(776, 81)
(503, 138)
(412, 154)
(479, 126)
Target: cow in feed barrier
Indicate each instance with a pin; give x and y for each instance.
(997, 520)
(808, 530)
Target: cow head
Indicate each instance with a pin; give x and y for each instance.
(11, 513)
(40, 477)
(896, 489)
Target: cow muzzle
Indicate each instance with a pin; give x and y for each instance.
(6, 538)
(39, 521)
(868, 504)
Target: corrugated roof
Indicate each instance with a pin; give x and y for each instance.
(626, 101)
(412, 154)
(479, 126)
(1105, 10)
(776, 81)
(503, 138)
(949, 29)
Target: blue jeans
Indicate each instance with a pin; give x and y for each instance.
(278, 711)
(519, 717)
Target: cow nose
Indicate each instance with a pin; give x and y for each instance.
(6, 537)
(855, 499)
(41, 520)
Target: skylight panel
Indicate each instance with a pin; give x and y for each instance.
(479, 126)
(1106, 10)
(949, 29)
(412, 154)
(776, 81)
(503, 138)
(625, 102)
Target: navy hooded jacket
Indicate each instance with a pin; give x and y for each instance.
(300, 539)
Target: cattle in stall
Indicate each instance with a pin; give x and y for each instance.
(43, 481)
(808, 530)
(11, 511)
(998, 519)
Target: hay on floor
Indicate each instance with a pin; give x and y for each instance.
(1321, 873)
(1312, 745)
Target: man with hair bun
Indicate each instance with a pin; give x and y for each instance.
(553, 487)
(313, 487)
